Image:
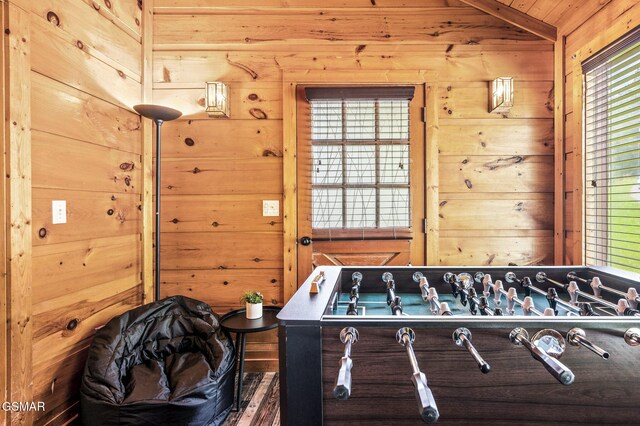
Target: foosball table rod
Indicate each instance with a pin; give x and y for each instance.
(426, 402)
(631, 295)
(574, 292)
(462, 284)
(462, 337)
(512, 299)
(577, 337)
(354, 294)
(552, 298)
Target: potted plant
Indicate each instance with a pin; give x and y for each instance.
(253, 301)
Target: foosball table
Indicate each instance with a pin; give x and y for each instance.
(461, 345)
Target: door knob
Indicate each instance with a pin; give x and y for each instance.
(305, 241)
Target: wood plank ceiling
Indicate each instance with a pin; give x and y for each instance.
(557, 13)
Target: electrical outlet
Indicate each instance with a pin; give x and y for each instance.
(58, 211)
(270, 208)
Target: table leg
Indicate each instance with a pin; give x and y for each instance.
(241, 342)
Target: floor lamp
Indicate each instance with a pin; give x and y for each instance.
(159, 115)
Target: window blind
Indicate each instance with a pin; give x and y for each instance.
(360, 155)
(612, 156)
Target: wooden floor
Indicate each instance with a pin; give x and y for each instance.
(260, 401)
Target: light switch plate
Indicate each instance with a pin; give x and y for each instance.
(270, 208)
(58, 211)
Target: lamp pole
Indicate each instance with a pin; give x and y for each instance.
(159, 114)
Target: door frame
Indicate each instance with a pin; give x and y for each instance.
(291, 78)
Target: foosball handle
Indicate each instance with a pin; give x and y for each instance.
(342, 390)
(557, 369)
(426, 402)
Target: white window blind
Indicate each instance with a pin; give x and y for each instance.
(612, 155)
(360, 155)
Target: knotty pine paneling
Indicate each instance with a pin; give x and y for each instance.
(503, 250)
(223, 287)
(56, 384)
(203, 176)
(65, 268)
(198, 66)
(328, 26)
(125, 14)
(222, 139)
(83, 22)
(68, 60)
(220, 250)
(453, 62)
(218, 171)
(93, 214)
(622, 14)
(88, 315)
(52, 315)
(65, 163)
(312, 4)
(86, 149)
(497, 137)
(248, 101)
(470, 100)
(456, 63)
(480, 174)
(62, 110)
(218, 213)
(495, 214)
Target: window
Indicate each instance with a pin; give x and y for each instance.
(612, 155)
(360, 155)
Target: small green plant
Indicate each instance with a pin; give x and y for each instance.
(252, 297)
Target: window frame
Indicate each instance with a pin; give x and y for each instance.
(596, 203)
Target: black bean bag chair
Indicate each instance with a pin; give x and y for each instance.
(165, 363)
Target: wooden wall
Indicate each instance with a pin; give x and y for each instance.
(599, 26)
(496, 172)
(84, 146)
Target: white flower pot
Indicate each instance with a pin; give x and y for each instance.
(254, 310)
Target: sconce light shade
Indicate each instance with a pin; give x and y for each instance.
(217, 99)
(501, 95)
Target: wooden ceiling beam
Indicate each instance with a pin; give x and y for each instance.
(515, 17)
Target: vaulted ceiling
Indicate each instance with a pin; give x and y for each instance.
(544, 18)
(549, 11)
(566, 15)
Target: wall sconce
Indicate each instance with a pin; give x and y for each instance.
(217, 99)
(501, 95)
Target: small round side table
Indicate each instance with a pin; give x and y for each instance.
(237, 322)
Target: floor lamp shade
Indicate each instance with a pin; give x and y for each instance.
(159, 114)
